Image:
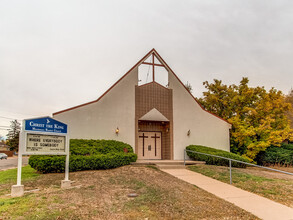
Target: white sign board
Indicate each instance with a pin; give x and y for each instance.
(42, 136)
(45, 143)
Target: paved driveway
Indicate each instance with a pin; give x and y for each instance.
(11, 162)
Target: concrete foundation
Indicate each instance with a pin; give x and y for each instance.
(66, 184)
(17, 190)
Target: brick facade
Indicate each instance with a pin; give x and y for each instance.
(147, 97)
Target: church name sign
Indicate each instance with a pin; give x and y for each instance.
(42, 136)
(45, 124)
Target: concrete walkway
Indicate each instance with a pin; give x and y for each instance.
(257, 205)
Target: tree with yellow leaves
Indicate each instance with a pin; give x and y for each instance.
(289, 98)
(257, 116)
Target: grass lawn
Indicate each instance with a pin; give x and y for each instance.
(274, 186)
(102, 194)
(9, 176)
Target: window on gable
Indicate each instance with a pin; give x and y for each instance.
(146, 69)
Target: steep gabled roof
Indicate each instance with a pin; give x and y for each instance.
(163, 62)
(138, 63)
(153, 51)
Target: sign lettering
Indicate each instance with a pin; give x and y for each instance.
(45, 143)
(45, 125)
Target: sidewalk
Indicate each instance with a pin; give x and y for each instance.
(257, 205)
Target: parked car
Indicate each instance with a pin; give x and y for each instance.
(3, 156)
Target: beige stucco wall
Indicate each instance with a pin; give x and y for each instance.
(205, 128)
(117, 109)
(99, 120)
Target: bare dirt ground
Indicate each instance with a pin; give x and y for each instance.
(103, 195)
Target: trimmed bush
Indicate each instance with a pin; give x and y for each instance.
(87, 155)
(214, 160)
(281, 156)
(90, 147)
(56, 164)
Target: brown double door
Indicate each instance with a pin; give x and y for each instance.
(149, 145)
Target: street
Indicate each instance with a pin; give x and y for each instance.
(11, 162)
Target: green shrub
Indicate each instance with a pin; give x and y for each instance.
(56, 164)
(214, 160)
(274, 155)
(87, 155)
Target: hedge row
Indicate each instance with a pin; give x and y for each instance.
(56, 164)
(87, 155)
(273, 155)
(91, 147)
(214, 160)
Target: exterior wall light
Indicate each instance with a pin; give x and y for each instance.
(117, 130)
(167, 130)
(188, 133)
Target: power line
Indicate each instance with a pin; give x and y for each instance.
(4, 129)
(17, 113)
(9, 118)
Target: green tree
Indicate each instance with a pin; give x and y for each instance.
(257, 116)
(13, 135)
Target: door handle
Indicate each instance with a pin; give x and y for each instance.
(150, 147)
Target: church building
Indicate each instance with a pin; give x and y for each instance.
(150, 109)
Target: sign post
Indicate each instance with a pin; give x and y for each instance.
(42, 136)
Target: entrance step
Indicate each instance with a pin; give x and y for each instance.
(167, 162)
(162, 166)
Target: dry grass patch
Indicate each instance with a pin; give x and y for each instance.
(272, 185)
(103, 195)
